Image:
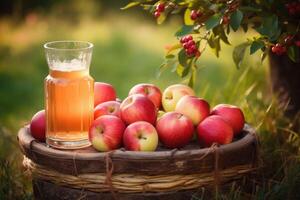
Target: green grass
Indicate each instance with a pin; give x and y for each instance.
(128, 51)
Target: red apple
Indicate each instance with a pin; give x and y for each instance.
(174, 129)
(138, 108)
(214, 129)
(195, 108)
(107, 108)
(148, 90)
(38, 126)
(106, 133)
(173, 93)
(140, 136)
(103, 92)
(232, 115)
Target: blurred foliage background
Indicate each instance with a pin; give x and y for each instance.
(128, 49)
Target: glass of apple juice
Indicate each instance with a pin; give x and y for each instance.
(69, 94)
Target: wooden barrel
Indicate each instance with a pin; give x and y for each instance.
(120, 174)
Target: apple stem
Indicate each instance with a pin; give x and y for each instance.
(141, 137)
(170, 96)
(179, 116)
(111, 109)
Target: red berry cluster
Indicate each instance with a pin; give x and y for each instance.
(293, 7)
(279, 49)
(190, 46)
(195, 14)
(159, 9)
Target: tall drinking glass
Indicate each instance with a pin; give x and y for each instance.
(69, 94)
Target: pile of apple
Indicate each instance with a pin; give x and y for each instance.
(148, 116)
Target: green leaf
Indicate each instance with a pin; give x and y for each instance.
(217, 48)
(293, 53)
(147, 7)
(239, 53)
(236, 19)
(263, 56)
(182, 71)
(224, 37)
(130, 5)
(170, 56)
(250, 9)
(256, 45)
(210, 41)
(214, 43)
(219, 30)
(187, 17)
(182, 58)
(228, 29)
(193, 77)
(245, 27)
(213, 21)
(270, 27)
(276, 35)
(184, 30)
(179, 70)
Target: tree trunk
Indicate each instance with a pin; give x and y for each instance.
(285, 78)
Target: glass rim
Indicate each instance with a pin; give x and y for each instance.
(47, 45)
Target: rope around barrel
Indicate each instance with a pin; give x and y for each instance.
(133, 183)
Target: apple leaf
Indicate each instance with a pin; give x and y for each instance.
(256, 45)
(182, 71)
(270, 27)
(250, 9)
(236, 19)
(213, 21)
(263, 56)
(219, 30)
(179, 70)
(170, 56)
(239, 53)
(293, 53)
(182, 58)
(214, 43)
(130, 5)
(245, 27)
(184, 30)
(193, 77)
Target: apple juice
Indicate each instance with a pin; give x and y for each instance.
(69, 97)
